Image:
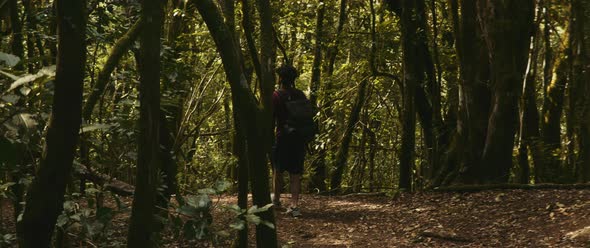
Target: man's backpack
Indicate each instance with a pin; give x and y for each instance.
(300, 113)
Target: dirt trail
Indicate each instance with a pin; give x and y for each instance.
(515, 218)
(506, 218)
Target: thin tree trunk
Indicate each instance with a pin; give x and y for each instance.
(30, 30)
(530, 137)
(413, 77)
(553, 104)
(142, 226)
(248, 31)
(16, 42)
(265, 237)
(344, 145)
(119, 49)
(318, 165)
(239, 151)
(333, 48)
(46, 194)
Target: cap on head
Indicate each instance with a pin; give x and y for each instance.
(287, 75)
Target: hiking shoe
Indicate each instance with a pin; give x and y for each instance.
(294, 212)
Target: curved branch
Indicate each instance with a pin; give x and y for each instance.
(117, 52)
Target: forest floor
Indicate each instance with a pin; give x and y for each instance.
(499, 218)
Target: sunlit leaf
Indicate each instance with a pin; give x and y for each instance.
(9, 59)
(94, 127)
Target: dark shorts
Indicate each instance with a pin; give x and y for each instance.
(288, 154)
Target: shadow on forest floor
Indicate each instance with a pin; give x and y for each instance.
(500, 218)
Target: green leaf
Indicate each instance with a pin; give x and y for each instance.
(45, 72)
(198, 201)
(222, 186)
(9, 59)
(62, 220)
(187, 210)
(206, 191)
(268, 224)
(94, 127)
(235, 209)
(251, 218)
(6, 186)
(254, 209)
(238, 225)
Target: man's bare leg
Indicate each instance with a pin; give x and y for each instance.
(277, 184)
(295, 183)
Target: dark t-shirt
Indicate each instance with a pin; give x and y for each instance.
(288, 151)
(279, 97)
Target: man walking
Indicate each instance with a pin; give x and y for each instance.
(289, 149)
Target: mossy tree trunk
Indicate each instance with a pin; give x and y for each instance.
(580, 92)
(552, 110)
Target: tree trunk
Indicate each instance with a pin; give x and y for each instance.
(413, 77)
(474, 92)
(16, 42)
(551, 113)
(581, 87)
(46, 194)
(248, 113)
(248, 31)
(119, 49)
(507, 29)
(263, 130)
(239, 151)
(142, 225)
(333, 48)
(318, 165)
(530, 137)
(344, 145)
(30, 30)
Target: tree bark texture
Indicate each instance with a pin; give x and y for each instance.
(507, 27)
(413, 76)
(580, 88)
(142, 225)
(45, 198)
(248, 116)
(474, 92)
